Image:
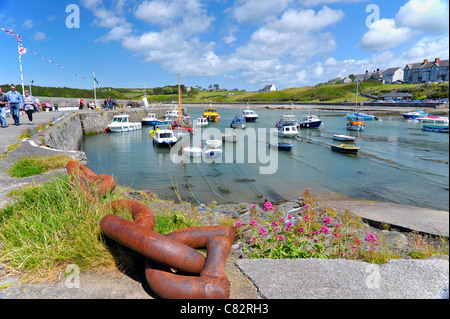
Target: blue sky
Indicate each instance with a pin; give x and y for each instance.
(242, 44)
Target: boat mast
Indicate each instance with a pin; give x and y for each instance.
(179, 100)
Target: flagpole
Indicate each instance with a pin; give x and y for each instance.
(95, 93)
(21, 72)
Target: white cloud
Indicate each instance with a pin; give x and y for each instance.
(307, 20)
(258, 11)
(427, 15)
(312, 3)
(39, 36)
(385, 34)
(28, 23)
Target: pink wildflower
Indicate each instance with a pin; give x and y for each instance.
(274, 223)
(282, 219)
(268, 206)
(280, 237)
(327, 220)
(149, 191)
(301, 229)
(306, 217)
(262, 231)
(371, 239)
(289, 216)
(252, 223)
(253, 240)
(325, 229)
(336, 235)
(237, 224)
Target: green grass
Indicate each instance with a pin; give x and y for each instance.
(34, 165)
(50, 226)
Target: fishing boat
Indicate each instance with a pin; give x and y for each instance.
(436, 125)
(287, 119)
(342, 137)
(163, 136)
(366, 117)
(282, 146)
(310, 121)
(172, 114)
(414, 115)
(120, 123)
(345, 148)
(355, 124)
(229, 138)
(211, 114)
(249, 115)
(202, 121)
(238, 122)
(287, 130)
(152, 120)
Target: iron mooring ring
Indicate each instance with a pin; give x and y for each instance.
(177, 250)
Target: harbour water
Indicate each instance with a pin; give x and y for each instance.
(397, 162)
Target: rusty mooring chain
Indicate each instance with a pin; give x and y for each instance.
(196, 277)
(90, 183)
(176, 250)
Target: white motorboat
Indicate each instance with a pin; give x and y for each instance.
(213, 148)
(249, 115)
(163, 137)
(342, 137)
(202, 121)
(287, 130)
(120, 123)
(287, 119)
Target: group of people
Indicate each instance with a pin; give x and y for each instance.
(109, 104)
(16, 103)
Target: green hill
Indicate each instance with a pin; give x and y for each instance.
(323, 92)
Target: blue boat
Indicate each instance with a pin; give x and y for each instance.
(238, 122)
(152, 120)
(310, 121)
(282, 146)
(414, 115)
(366, 117)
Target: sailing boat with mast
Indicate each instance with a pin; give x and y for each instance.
(181, 127)
(366, 117)
(355, 122)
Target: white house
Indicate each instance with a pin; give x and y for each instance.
(392, 75)
(267, 88)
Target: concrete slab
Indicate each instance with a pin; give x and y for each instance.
(347, 279)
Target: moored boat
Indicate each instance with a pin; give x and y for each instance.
(366, 117)
(249, 115)
(287, 119)
(414, 115)
(310, 121)
(238, 122)
(152, 120)
(211, 114)
(163, 136)
(345, 148)
(286, 130)
(342, 137)
(355, 124)
(192, 151)
(120, 123)
(202, 121)
(282, 146)
(229, 138)
(436, 125)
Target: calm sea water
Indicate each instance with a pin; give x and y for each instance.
(397, 162)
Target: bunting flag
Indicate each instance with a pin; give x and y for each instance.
(23, 50)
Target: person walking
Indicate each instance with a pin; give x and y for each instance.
(15, 101)
(3, 106)
(29, 106)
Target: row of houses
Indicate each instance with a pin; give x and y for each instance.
(426, 71)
